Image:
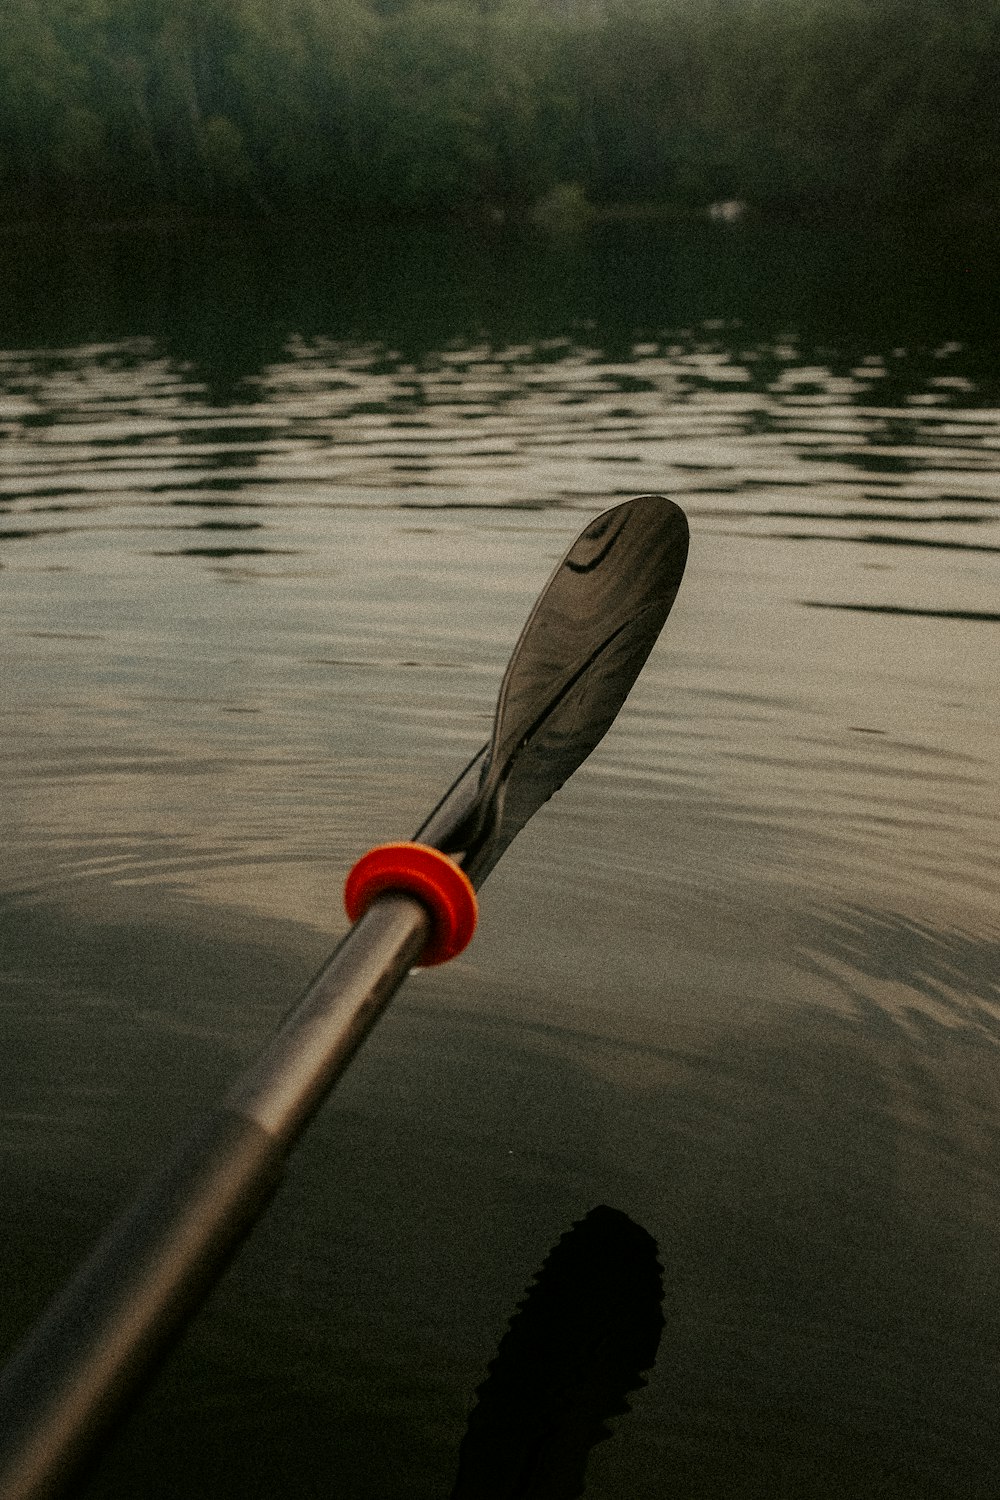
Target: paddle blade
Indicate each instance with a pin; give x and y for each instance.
(581, 650)
(590, 632)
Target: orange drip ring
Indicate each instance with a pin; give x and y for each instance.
(430, 876)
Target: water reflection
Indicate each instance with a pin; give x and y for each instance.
(908, 966)
(738, 976)
(715, 413)
(581, 1341)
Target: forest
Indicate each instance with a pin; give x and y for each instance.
(492, 108)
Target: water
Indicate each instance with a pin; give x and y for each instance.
(272, 513)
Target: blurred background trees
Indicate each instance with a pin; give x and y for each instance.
(133, 107)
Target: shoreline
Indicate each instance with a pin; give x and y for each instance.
(546, 217)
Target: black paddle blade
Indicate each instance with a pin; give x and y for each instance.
(582, 648)
(579, 1344)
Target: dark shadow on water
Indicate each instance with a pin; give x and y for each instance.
(580, 1342)
(984, 616)
(823, 1186)
(226, 552)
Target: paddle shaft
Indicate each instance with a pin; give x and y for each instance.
(91, 1351)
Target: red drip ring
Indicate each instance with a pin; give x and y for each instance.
(433, 878)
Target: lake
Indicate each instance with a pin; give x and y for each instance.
(273, 508)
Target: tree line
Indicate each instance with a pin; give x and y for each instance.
(133, 107)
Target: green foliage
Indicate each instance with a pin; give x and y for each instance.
(452, 108)
(487, 106)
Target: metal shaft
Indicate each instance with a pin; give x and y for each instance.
(283, 1090)
(93, 1348)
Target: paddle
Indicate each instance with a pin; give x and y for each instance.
(579, 653)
